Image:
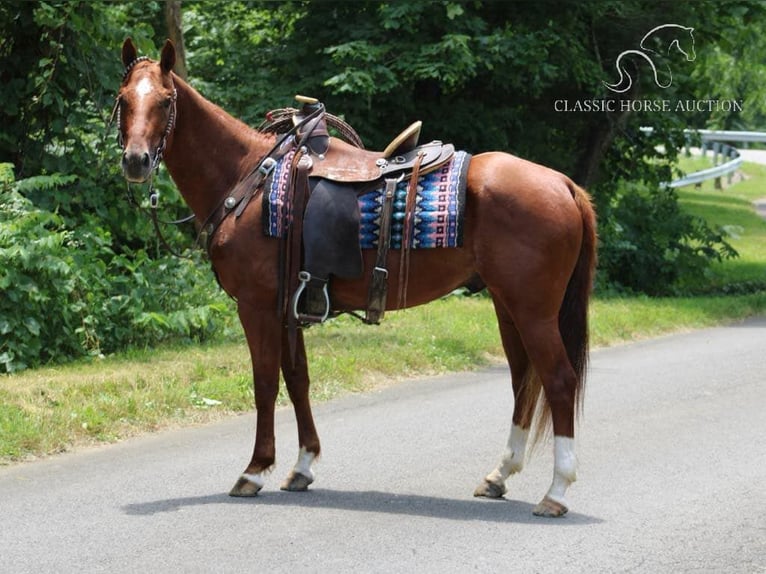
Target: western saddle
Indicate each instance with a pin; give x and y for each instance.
(327, 175)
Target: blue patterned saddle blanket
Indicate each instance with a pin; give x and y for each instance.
(439, 206)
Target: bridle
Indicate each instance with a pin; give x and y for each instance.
(159, 152)
(153, 194)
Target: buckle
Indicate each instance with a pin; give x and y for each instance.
(267, 166)
(381, 272)
(154, 199)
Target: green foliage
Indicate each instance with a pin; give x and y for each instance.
(66, 293)
(733, 69)
(83, 262)
(649, 245)
(36, 279)
(79, 269)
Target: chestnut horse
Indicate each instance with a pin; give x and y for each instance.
(529, 235)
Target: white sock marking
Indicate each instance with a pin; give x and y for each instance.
(256, 479)
(564, 468)
(512, 460)
(305, 460)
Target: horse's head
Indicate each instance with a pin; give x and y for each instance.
(146, 110)
(685, 43)
(663, 39)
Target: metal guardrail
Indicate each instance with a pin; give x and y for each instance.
(711, 140)
(729, 136)
(726, 168)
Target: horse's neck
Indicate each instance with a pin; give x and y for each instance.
(209, 151)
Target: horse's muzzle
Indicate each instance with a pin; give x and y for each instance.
(136, 165)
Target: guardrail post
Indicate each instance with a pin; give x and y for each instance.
(733, 153)
(717, 149)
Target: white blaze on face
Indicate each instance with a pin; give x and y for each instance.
(144, 87)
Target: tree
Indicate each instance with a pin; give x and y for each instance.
(487, 75)
(175, 33)
(75, 268)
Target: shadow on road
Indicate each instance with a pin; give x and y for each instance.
(503, 510)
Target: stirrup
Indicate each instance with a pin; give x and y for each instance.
(305, 277)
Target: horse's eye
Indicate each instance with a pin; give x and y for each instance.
(166, 102)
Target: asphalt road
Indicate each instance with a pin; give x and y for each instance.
(672, 473)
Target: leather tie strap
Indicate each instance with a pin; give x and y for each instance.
(407, 231)
(376, 299)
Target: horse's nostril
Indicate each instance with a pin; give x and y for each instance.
(145, 159)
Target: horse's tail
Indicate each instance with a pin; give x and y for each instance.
(573, 315)
(573, 320)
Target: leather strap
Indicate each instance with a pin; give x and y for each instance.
(376, 298)
(407, 229)
(300, 186)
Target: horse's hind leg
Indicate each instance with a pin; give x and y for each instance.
(297, 381)
(542, 339)
(512, 459)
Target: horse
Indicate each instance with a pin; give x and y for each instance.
(529, 237)
(664, 38)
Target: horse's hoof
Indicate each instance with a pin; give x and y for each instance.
(489, 489)
(550, 508)
(296, 482)
(245, 487)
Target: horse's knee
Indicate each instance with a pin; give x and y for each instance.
(265, 391)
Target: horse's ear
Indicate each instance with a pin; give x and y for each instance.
(168, 57)
(129, 53)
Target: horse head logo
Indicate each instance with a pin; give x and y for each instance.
(657, 42)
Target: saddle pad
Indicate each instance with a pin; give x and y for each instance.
(440, 205)
(439, 209)
(276, 209)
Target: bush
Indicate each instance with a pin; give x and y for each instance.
(67, 294)
(648, 245)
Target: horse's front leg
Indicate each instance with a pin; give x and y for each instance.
(296, 375)
(262, 330)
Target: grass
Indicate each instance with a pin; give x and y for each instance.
(53, 409)
(732, 209)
